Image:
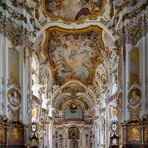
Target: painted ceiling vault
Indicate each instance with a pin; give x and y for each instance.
(78, 51)
(63, 58)
(74, 87)
(73, 54)
(73, 10)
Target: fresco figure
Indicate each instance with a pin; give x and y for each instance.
(72, 9)
(73, 55)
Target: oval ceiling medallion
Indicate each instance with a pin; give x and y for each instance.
(73, 10)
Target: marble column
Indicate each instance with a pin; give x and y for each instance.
(1, 76)
(50, 134)
(144, 63)
(96, 135)
(66, 137)
(6, 44)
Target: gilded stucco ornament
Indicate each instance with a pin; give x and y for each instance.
(146, 134)
(134, 34)
(14, 35)
(2, 135)
(73, 107)
(73, 133)
(107, 72)
(134, 133)
(15, 134)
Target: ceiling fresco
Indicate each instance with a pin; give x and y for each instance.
(73, 10)
(78, 100)
(73, 87)
(73, 54)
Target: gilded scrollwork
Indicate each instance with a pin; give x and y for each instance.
(134, 134)
(16, 134)
(2, 135)
(146, 134)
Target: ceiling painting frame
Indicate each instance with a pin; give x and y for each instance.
(81, 30)
(89, 16)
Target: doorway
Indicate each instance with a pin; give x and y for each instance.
(73, 144)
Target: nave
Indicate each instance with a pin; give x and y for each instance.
(74, 74)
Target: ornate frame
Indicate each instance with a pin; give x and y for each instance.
(90, 16)
(44, 43)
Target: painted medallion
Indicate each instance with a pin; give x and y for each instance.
(134, 96)
(14, 97)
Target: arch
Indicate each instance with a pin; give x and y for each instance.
(72, 82)
(77, 101)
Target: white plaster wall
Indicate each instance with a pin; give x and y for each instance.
(5, 44)
(143, 46)
(1, 76)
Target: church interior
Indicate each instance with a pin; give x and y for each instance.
(73, 73)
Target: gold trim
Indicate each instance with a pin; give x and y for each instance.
(90, 16)
(53, 68)
(71, 82)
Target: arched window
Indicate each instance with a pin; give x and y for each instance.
(73, 133)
